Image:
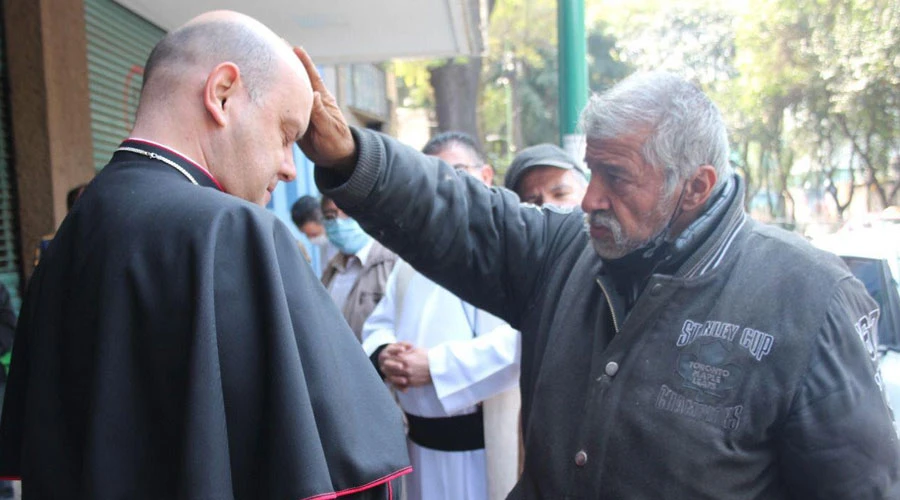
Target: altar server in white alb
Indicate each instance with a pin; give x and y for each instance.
(455, 368)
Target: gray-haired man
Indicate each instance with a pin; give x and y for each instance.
(675, 349)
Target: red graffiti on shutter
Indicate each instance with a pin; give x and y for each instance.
(130, 94)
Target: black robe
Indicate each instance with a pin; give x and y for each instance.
(174, 344)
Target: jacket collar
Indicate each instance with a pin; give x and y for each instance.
(718, 245)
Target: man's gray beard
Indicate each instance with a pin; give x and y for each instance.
(621, 245)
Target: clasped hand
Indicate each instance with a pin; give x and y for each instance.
(405, 365)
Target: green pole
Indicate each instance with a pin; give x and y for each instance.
(573, 87)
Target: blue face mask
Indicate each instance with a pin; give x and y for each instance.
(346, 235)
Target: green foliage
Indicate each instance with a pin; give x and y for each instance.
(413, 89)
(810, 88)
(606, 66)
(521, 72)
(832, 69)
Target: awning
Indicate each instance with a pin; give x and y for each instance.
(346, 31)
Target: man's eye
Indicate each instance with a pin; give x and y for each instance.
(615, 179)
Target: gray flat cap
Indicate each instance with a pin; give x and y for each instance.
(549, 155)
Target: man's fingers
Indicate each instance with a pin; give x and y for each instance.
(394, 349)
(314, 78)
(327, 140)
(387, 360)
(392, 366)
(318, 110)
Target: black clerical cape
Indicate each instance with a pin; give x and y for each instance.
(174, 344)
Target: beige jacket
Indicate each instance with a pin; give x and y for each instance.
(369, 287)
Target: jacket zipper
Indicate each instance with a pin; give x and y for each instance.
(612, 310)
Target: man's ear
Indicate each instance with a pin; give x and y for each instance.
(222, 84)
(699, 188)
(487, 175)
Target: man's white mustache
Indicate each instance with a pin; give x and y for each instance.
(604, 219)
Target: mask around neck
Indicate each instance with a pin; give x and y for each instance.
(664, 248)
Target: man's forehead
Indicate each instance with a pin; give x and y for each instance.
(296, 68)
(456, 154)
(289, 68)
(297, 98)
(623, 146)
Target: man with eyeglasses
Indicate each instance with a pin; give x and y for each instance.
(455, 368)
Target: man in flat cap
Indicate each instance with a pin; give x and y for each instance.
(545, 173)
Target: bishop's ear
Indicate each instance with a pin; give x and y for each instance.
(699, 187)
(222, 84)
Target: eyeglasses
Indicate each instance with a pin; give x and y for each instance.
(463, 166)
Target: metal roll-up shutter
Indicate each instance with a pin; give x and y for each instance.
(119, 42)
(9, 244)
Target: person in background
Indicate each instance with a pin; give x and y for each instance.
(672, 347)
(71, 198)
(546, 174)
(455, 369)
(306, 213)
(357, 275)
(173, 343)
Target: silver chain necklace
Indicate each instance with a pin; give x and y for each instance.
(154, 156)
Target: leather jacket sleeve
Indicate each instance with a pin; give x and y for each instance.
(836, 442)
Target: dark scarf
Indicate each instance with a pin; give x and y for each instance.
(663, 254)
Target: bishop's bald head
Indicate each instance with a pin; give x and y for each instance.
(232, 95)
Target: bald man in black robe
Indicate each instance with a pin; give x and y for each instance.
(173, 342)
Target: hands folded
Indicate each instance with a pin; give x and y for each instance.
(405, 365)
